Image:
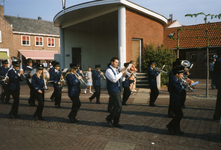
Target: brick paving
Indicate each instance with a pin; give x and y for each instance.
(144, 126)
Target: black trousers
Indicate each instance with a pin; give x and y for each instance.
(217, 114)
(53, 94)
(212, 75)
(96, 94)
(5, 93)
(170, 111)
(183, 96)
(115, 99)
(32, 97)
(57, 94)
(126, 94)
(40, 99)
(76, 104)
(154, 92)
(178, 115)
(110, 104)
(15, 94)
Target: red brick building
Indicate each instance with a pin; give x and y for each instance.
(193, 43)
(28, 38)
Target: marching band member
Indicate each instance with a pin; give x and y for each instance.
(55, 77)
(96, 75)
(14, 87)
(217, 71)
(51, 70)
(113, 87)
(29, 68)
(5, 93)
(176, 89)
(153, 83)
(126, 86)
(38, 85)
(73, 92)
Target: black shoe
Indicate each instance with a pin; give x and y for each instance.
(124, 103)
(179, 132)
(109, 122)
(59, 106)
(35, 116)
(52, 99)
(170, 130)
(117, 125)
(98, 103)
(17, 116)
(170, 115)
(56, 106)
(73, 120)
(153, 105)
(90, 100)
(41, 118)
(11, 116)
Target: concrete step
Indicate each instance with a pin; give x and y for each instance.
(142, 80)
(141, 74)
(142, 77)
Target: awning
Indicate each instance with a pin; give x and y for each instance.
(3, 55)
(38, 54)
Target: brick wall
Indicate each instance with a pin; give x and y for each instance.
(142, 27)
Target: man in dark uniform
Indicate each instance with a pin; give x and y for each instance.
(126, 86)
(14, 87)
(113, 87)
(74, 90)
(51, 70)
(176, 88)
(28, 69)
(154, 92)
(96, 75)
(5, 93)
(55, 77)
(217, 71)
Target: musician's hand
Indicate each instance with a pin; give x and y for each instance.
(21, 72)
(80, 71)
(186, 83)
(101, 73)
(187, 73)
(62, 77)
(159, 69)
(123, 70)
(79, 77)
(31, 75)
(59, 83)
(39, 91)
(124, 74)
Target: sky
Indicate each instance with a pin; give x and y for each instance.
(47, 9)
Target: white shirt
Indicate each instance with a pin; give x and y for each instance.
(45, 65)
(110, 75)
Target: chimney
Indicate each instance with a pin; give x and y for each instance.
(2, 10)
(170, 18)
(39, 18)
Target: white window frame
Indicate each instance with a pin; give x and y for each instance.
(0, 36)
(47, 42)
(42, 41)
(22, 40)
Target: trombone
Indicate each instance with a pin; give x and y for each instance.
(103, 76)
(161, 70)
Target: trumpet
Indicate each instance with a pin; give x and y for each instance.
(189, 87)
(161, 70)
(81, 80)
(103, 76)
(129, 71)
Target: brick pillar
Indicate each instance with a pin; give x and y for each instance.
(1, 10)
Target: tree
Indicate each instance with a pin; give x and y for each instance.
(207, 51)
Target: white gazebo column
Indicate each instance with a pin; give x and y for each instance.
(122, 35)
(62, 49)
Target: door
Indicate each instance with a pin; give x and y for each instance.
(136, 53)
(76, 55)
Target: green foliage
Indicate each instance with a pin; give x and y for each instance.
(162, 56)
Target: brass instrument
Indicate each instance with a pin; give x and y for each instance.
(129, 71)
(103, 76)
(161, 70)
(81, 80)
(189, 87)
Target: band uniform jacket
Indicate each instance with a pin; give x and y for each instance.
(14, 80)
(96, 78)
(73, 85)
(126, 82)
(152, 76)
(37, 83)
(55, 78)
(176, 92)
(217, 71)
(28, 68)
(3, 72)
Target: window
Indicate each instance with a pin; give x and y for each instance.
(0, 36)
(193, 56)
(38, 41)
(51, 42)
(25, 40)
